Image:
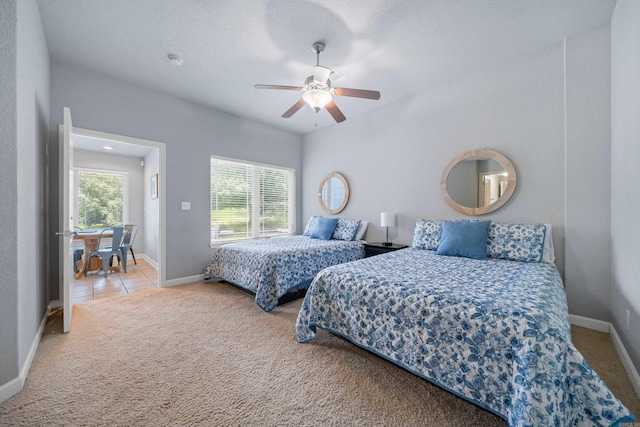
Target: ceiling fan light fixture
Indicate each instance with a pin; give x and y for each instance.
(318, 92)
(317, 98)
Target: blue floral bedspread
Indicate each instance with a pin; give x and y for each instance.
(494, 332)
(272, 267)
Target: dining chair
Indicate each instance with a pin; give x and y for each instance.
(77, 252)
(108, 252)
(127, 244)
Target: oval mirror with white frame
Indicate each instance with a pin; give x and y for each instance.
(333, 193)
(478, 182)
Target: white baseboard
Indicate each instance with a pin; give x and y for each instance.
(585, 322)
(599, 325)
(151, 262)
(14, 386)
(183, 280)
(626, 360)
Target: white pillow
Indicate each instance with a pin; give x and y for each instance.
(362, 230)
(548, 251)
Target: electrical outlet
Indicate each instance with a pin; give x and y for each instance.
(186, 206)
(628, 320)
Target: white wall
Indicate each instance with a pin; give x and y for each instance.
(24, 115)
(191, 132)
(625, 173)
(393, 158)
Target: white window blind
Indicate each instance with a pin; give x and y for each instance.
(250, 200)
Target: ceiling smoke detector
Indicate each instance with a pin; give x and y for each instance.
(174, 59)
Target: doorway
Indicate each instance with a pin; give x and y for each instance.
(142, 163)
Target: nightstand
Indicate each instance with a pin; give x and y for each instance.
(377, 248)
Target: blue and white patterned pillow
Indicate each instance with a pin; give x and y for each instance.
(426, 234)
(516, 242)
(313, 221)
(346, 229)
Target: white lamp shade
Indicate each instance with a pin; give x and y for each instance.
(387, 219)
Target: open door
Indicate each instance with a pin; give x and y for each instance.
(66, 185)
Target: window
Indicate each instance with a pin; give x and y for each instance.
(99, 198)
(250, 200)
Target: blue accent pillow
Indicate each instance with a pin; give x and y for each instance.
(464, 238)
(324, 228)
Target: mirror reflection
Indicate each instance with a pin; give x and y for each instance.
(478, 182)
(333, 193)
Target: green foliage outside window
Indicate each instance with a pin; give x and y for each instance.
(100, 199)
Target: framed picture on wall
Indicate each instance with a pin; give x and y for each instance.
(154, 186)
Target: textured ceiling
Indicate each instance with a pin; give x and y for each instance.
(397, 47)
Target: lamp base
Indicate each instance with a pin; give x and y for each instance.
(387, 243)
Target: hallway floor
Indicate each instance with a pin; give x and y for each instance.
(95, 286)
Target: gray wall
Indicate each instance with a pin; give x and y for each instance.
(151, 236)
(9, 362)
(588, 174)
(625, 173)
(192, 133)
(393, 157)
(24, 91)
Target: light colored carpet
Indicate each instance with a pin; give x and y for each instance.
(205, 354)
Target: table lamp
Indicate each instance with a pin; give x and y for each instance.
(387, 219)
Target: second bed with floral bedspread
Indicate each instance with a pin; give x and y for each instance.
(272, 267)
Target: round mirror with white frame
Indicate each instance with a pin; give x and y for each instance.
(478, 182)
(333, 193)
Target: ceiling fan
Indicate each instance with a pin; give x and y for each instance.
(318, 92)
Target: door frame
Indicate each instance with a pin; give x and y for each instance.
(162, 167)
(161, 146)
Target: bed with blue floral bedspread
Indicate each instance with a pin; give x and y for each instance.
(495, 332)
(272, 267)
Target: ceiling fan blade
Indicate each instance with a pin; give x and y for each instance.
(335, 112)
(277, 87)
(357, 93)
(321, 74)
(291, 111)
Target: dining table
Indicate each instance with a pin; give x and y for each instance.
(91, 239)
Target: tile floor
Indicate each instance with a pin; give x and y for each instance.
(95, 286)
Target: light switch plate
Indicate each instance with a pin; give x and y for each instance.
(186, 206)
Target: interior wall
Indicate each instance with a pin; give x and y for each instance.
(625, 174)
(33, 128)
(191, 132)
(588, 173)
(152, 208)
(393, 157)
(9, 330)
(135, 173)
(24, 112)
